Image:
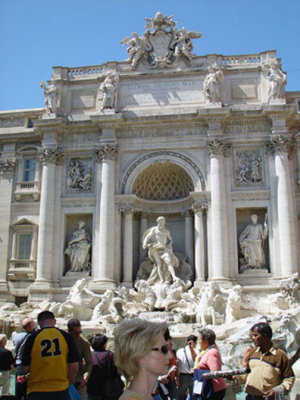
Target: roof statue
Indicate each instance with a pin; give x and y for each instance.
(162, 44)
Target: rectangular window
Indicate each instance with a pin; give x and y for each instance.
(24, 248)
(29, 169)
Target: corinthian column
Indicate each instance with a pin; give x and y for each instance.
(219, 243)
(45, 248)
(127, 210)
(199, 210)
(281, 147)
(104, 271)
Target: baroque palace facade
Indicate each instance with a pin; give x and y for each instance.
(208, 142)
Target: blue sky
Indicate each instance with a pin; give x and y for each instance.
(38, 34)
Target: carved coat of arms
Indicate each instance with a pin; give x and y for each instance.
(162, 44)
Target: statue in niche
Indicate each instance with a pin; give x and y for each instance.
(108, 92)
(251, 242)
(211, 85)
(159, 243)
(50, 97)
(249, 168)
(78, 249)
(277, 81)
(79, 177)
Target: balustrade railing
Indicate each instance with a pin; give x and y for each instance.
(85, 71)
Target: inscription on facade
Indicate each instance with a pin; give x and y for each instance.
(161, 93)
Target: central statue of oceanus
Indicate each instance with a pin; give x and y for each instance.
(162, 266)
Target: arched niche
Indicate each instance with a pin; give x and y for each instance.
(159, 158)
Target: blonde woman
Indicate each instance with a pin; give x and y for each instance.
(141, 354)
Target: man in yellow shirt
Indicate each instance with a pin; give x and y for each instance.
(51, 358)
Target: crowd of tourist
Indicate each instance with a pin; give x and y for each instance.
(52, 363)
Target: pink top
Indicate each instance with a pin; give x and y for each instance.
(211, 360)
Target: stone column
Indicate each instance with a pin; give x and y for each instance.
(45, 249)
(143, 228)
(281, 147)
(188, 239)
(104, 273)
(7, 169)
(58, 256)
(127, 210)
(199, 211)
(219, 244)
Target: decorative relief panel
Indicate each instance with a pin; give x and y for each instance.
(80, 175)
(248, 168)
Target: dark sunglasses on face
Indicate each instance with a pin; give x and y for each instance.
(164, 349)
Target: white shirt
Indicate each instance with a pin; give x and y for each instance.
(185, 359)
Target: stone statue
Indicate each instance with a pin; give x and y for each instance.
(211, 85)
(205, 308)
(159, 243)
(50, 100)
(80, 302)
(251, 242)
(183, 43)
(137, 47)
(78, 249)
(162, 44)
(108, 91)
(277, 81)
(234, 303)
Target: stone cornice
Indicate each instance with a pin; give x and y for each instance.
(251, 194)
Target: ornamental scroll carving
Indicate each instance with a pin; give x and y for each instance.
(49, 156)
(107, 152)
(7, 166)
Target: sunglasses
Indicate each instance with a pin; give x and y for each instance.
(164, 349)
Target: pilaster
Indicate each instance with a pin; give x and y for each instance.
(7, 170)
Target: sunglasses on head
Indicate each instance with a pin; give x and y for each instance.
(164, 349)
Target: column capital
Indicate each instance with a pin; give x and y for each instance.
(199, 207)
(187, 213)
(107, 151)
(126, 208)
(280, 144)
(51, 156)
(7, 166)
(216, 146)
